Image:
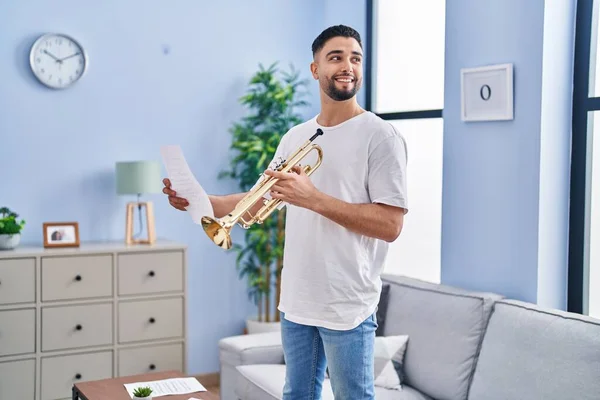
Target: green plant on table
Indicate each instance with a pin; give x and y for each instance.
(273, 97)
(9, 225)
(144, 391)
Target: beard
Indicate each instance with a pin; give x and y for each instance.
(336, 94)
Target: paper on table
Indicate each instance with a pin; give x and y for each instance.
(166, 387)
(185, 184)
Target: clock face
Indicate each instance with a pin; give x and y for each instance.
(57, 60)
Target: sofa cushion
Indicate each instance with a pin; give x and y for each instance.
(382, 309)
(265, 382)
(260, 382)
(529, 352)
(445, 326)
(389, 356)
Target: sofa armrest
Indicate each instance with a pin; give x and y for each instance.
(258, 348)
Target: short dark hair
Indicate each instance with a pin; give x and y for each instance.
(334, 31)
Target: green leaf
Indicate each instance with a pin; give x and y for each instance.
(9, 225)
(144, 391)
(272, 101)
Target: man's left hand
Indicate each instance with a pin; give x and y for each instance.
(294, 187)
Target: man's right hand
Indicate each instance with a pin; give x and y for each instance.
(177, 202)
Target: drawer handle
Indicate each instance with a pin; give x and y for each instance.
(151, 273)
(79, 327)
(152, 366)
(152, 320)
(78, 278)
(78, 376)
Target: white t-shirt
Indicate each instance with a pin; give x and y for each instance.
(331, 276)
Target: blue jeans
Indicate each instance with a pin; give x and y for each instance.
(309, 350)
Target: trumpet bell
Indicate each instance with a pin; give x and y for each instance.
(216, 232)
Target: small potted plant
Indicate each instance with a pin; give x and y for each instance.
(142, 393)
(10, 229)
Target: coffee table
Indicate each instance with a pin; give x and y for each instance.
(113, 389)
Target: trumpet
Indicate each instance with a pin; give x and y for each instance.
(219, 230)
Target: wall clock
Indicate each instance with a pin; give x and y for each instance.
(57, 60)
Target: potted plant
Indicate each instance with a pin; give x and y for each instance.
(10, 229)
(273, 97)
(142, 393)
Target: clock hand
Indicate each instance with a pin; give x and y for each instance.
(72, 55)
(52, 55)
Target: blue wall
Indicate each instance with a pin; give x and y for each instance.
(167, 74)
(505, 190)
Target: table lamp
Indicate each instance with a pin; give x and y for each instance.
(137, 178)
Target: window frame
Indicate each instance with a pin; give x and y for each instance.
(369, 88)
(583, 105)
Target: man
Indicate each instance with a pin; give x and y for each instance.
(338, 226)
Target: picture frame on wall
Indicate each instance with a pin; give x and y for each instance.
(487, 93)
(61, 234)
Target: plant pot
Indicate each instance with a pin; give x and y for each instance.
(142, 398)
(255, 326)
(8, 242)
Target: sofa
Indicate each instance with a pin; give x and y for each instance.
(462, 345)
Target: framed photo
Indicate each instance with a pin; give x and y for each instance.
(486, 93)
(61, 234)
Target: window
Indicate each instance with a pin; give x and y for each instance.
(417, 252)
(593, 273)
(408, 57)
(584, 229)
(405, 85)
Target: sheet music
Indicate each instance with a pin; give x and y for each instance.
(185, 184)
(166, 387)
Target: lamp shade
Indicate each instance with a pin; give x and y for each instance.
(138, 177)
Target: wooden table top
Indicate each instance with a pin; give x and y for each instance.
(113, 389)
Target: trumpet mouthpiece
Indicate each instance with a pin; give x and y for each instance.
(216, 232)
(319, 133)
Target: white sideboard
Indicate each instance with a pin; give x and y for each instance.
(98, 311)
